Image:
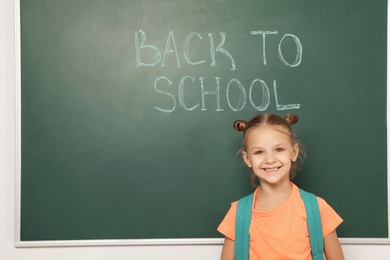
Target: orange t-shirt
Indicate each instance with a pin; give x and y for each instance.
(281, 233)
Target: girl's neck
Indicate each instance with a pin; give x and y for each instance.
(270, 197)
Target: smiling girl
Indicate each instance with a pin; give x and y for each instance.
(278, 228)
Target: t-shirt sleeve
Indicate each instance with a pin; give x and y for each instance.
(329, 218)
(228, 224)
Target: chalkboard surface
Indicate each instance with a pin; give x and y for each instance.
(127, 111)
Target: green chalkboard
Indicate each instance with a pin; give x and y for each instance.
(127, 110)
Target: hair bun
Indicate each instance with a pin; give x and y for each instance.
(291, 119)
(240, 125)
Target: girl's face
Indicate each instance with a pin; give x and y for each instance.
(269, 152)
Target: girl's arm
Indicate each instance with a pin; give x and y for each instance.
(332, 247)
(228, 249)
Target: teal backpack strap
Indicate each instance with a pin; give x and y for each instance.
(314, 224)
(243, 220)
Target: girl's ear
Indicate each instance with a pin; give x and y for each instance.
(246, 159)
(295, 152)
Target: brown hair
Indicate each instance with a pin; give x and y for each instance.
(272, 120)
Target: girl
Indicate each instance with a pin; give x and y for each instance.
(278, 228)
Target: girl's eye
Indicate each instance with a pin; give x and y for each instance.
(258, 152)
(279, 150)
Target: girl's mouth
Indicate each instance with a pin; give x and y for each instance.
(271, 170)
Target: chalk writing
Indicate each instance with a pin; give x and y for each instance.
(298, 57)
(174, 93)
(261, 105)
(170, 46)
(187, 49)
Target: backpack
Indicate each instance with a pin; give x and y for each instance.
(244, 215)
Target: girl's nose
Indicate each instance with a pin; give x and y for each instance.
(270, 158)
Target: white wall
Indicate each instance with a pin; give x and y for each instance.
(7, 183)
